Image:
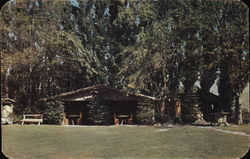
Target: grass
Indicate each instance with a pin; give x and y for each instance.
(46, 141)
(239, 128)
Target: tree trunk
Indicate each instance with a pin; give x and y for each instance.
(162, 110)
(30, 87)
(6, 83)
(238, 115)
(163, 95)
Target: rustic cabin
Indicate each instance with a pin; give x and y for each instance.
(99, 105)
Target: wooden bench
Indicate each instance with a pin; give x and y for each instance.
(32, 118)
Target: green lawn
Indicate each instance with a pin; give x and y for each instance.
(239, 128)
(45, 141)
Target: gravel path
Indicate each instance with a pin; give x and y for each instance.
(226, 131)
(169, 128)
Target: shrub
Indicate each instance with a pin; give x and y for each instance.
(245, 116)
(53, 112)
(99, 112)
(17, 118)
(146, 112)
(190, 107)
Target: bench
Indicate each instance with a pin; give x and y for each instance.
(32, 118)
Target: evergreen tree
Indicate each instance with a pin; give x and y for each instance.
(147, 113)
(99, 112)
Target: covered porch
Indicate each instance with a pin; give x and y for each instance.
(98, 105)
(119, 112)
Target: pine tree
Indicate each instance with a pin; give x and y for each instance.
(146, 113)
(190, 106)
(99, 112)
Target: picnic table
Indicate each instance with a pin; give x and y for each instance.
(122, 119)
(73, 119)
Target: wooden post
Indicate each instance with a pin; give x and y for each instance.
(130, 119)
(116, 121)
(79, 120)
(177, 108)
(178, 112)
(23, 119)
(65, 120)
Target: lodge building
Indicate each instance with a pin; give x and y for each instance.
(119, 106)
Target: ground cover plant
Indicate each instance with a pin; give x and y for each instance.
(47, 141)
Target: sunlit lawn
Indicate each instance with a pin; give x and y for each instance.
(45, 141)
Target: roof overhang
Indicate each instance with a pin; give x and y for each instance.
(100, 91)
